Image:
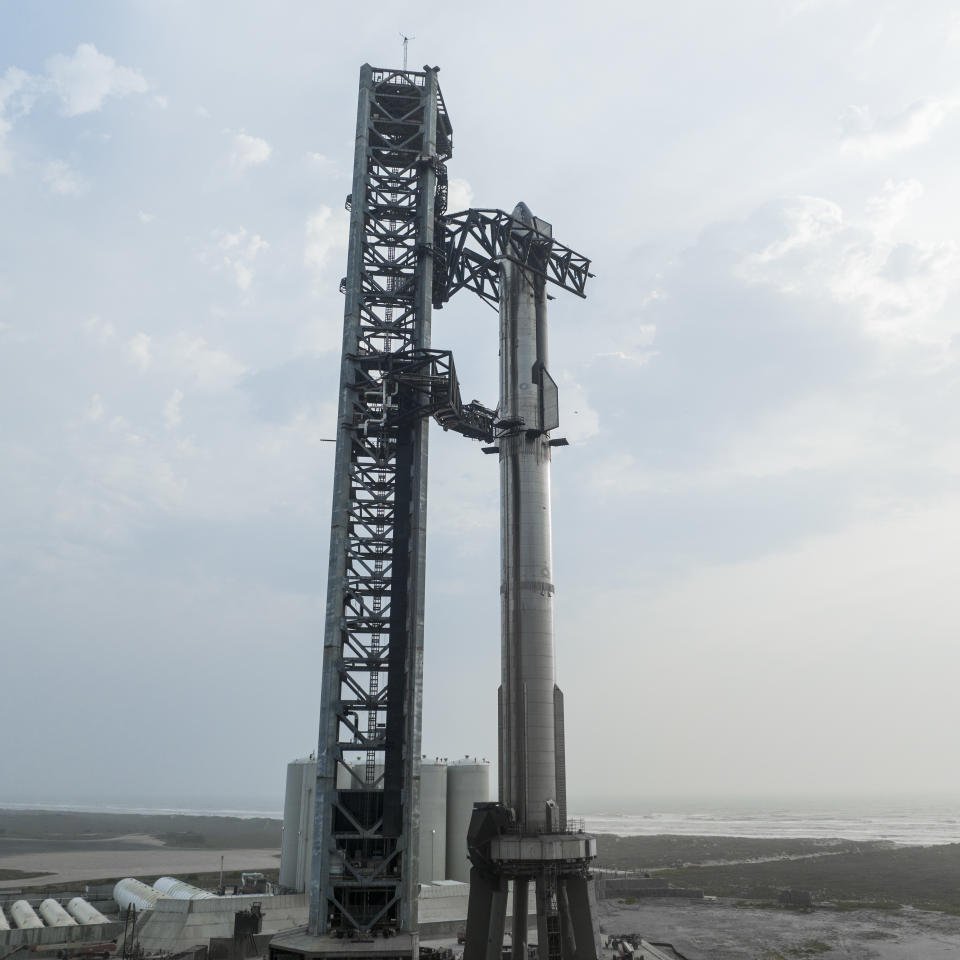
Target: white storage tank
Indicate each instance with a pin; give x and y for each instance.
(308, 788)
(4, 924)
(132, 893)
(433, 820)
(290, 838)
(23, 916)
(85, 913)
(298, 813)
(360, 769)
(468, 782)
(54, 915)
(178, 890)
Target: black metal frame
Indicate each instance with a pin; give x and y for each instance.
(475, 241)
(364, 869)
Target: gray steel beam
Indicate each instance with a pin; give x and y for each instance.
(328, 752)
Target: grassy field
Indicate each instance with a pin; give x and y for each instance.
(182, 832)
(20, 874)
(847, 873)
(882, 877)
(648, 853)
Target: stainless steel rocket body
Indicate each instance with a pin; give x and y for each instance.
(528, 712)
(524, 839)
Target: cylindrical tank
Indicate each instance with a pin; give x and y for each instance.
(528, 684)
(24, 916)
(84, 913)
(468, 782)
(4, 923)
(54, 915)
(345, 779)
(360, 770)
(132, 893)
(433, 821)
(289, 840)
(178, 890)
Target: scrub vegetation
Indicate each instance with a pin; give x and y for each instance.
(845, 877)
(64, 830)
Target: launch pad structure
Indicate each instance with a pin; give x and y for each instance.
(407, 256)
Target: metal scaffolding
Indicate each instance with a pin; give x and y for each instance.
(364, 860)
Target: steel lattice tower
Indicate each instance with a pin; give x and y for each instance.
(364, 875)
(405, 257)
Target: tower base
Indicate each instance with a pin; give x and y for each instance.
(558, 866)
(302, 945)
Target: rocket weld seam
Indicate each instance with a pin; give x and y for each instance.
(537, 586)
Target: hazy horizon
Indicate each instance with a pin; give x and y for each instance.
(596, 803)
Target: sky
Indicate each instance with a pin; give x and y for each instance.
(756, 523)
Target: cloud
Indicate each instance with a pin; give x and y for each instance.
(635, 340)
(81, 82)
(211, 369)
(883, 136)
(837, 619)
(172, 416)
(94, 409)
(85, 80)
(99, 329)
(17, 93)
(578, 419)
(895, 287)
(247, 151)
(818, 432)
(62, 179)
(236, 252)
(323, 162)
(323, 234)
(139, 351)
(459, 195)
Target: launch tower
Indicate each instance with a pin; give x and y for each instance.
(405, 257)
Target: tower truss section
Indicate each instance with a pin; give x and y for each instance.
(364, 874)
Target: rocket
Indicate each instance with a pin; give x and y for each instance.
(524, 838)
(532, 780)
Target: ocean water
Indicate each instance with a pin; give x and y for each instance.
(907, 821)
(248, 810)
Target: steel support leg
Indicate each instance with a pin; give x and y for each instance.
(567, 940)
(521, 910)
(581, 900)
(548, 918)
(486, 912)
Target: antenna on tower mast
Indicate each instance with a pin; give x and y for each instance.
(406, 40)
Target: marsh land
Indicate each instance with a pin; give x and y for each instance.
(874, 901)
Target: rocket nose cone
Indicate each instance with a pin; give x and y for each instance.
(522, 212)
